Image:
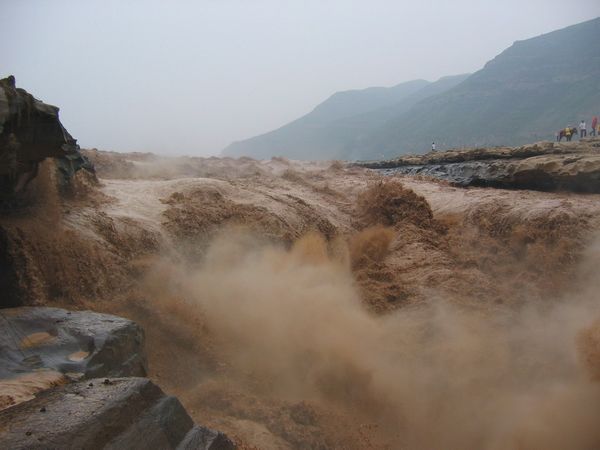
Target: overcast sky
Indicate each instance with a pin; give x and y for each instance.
(189, 77)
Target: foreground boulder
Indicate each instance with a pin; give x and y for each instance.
(547, 166)
(39, 345)
(122, 413)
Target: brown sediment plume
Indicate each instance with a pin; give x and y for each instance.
(437, 376)
(389, 203)
(486, 337)
(588, 341)
(370, 246)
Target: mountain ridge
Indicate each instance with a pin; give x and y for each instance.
(342, 119)
(524, 94)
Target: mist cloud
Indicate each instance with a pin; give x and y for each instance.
(191, 77)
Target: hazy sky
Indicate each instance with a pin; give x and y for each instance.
(189, 77)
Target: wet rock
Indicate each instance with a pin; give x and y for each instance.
(80, 343)
(544, 166)
(131, 413)
(30, 131)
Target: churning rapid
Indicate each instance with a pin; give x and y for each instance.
(315, 305)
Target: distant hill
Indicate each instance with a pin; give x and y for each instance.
(340, 121)
(523, 95)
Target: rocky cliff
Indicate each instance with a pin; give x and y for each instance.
(30, 132)
(545, 166)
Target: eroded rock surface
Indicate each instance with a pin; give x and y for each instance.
(39, 345)
(131, 413)
(544, 166)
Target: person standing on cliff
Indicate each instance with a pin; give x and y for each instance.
(433, 146)
(582, 129)
(594, 126)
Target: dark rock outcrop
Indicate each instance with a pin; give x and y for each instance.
(122, 413)
(82, 343)
(30, 131)
(546, 166)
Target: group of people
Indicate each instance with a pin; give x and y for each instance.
(569, 131)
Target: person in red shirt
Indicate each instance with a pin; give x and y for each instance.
(594, 126)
